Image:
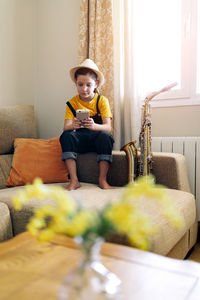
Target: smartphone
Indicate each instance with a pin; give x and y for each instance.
(82, 114)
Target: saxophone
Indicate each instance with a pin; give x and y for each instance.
(140, 159)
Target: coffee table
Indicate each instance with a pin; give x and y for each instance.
(32, 270)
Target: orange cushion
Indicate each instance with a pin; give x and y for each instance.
(37, 158)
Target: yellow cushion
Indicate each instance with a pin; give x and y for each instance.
(37, 158)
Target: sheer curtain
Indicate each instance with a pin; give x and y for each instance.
(127, 105)
(96, 40)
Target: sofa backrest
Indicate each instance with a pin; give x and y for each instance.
(17, 121)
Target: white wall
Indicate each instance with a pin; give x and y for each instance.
(176, 121)
(57, 51)
(17, 51)
(38, 46)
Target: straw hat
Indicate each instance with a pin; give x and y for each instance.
(89, 64)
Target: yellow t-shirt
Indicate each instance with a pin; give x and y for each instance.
(77, 103)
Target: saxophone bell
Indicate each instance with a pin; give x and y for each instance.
(140, 159)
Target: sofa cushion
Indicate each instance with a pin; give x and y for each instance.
(16, 121)
(5, 167)
(92, 197)
(37, 158)
(5, 223)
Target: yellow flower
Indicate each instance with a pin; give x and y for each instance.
(19, 200)
(46, 235)
(145, 187)
(171, 213)
(139, 241)
(128, 220)
(119, 215)
(65, 203)
(36, 190)
(80, 223)
(59, 223)
(35, 224)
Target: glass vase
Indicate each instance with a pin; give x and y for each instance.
(91, 279)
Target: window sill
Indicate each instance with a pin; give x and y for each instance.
(175, 102)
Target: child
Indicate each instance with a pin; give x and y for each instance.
(92, 134)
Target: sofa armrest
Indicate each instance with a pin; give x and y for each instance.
(170, 170)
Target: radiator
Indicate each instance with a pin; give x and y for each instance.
(190, 148)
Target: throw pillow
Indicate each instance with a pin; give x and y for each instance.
(37, 158)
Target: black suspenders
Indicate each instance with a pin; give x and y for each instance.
(98, 98)
(71, 108)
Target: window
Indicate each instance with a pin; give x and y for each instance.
(198, 48)
(166, 43)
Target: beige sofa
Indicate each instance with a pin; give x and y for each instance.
(169, 169)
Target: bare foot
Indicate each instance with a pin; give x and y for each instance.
(73, 185)
(104, 185)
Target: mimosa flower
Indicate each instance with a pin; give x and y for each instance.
(19, 200)
(80, 223)
(46, 235)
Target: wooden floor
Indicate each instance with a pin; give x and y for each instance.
(195, 255)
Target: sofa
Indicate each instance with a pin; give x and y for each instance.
(18, 122)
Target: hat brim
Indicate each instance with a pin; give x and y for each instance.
(100, 76)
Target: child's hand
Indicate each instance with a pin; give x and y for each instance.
(77, 124)
(88, 123)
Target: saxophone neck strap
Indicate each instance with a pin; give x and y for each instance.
(131, 153)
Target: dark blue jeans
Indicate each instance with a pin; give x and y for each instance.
(85, 140)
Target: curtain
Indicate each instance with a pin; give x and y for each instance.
(96, 40)
(105, 36)
(127, 104)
